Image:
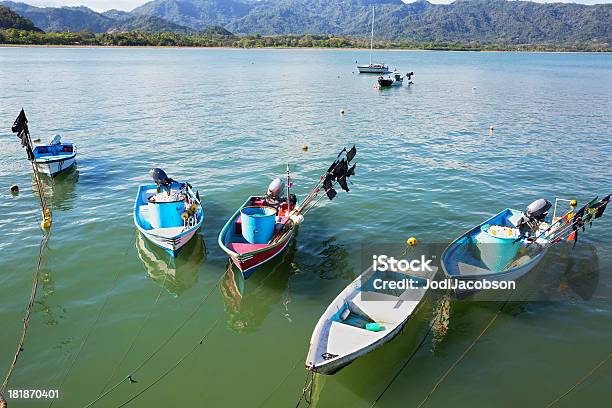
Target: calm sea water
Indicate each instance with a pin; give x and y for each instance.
(228, 121)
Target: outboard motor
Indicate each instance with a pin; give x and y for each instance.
(275, 189)
(534, 215)
(161, 179)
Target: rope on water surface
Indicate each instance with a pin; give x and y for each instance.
(133, 342)
(403, 366)
(306, 389)
(280, 383)
(467, 350)
(161, 346)
(94, 324)
(26, 319)
(583, 379)
(173, 367)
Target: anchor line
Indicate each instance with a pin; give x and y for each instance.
(161, 346)
(174, 366)
(133, 342)
(465, 352)
(583, 379)
(307, 389)
(94, 324)
(26, 319)
(280, 383)
(429, 329)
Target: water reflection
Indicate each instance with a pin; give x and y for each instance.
(249, 302)
(178, 274)
(60, 191)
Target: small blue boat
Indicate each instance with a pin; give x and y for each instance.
(56, 157)
(168, 213)
(502, 248)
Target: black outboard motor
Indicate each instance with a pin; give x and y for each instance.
(161, 179)
(534, 215)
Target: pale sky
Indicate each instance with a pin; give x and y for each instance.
(102, 5)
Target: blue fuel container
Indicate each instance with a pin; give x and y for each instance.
(258, 224)
(166, 214)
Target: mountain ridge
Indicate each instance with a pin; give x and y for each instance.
(475, 21)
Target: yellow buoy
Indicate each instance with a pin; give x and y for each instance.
(412, 241)
(305, 147)
(185, 215)
(573, 203)
(46, 221)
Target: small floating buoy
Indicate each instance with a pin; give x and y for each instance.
(14, 189)
(412, 241)
(36, 140)
(491, 129)
(573, 203)
(45, 224)
(473, 88)
(305, 147)
(342, 111)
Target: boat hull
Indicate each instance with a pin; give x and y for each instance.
(248, 265)
(170, 245)
(366, 69)
(53, 168)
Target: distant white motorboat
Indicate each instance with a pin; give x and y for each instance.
(354, 325)
(55, 157)
(373, 68)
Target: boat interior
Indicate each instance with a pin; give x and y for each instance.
(53, 151)
(142, 212)
(234, 240)
(463, 257)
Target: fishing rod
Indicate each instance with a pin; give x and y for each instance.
(338, 172)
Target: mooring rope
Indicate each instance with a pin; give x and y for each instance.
(26, 319)
(174, 366)
(161, 346)
(95, 322)
(281, 383)
(404, 365)
(133, 342)
(583, 379)
(466, 351)
(306, 389)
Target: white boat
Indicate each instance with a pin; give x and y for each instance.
(168, 213)
(373, 68)
(342, 334)
(54, 158)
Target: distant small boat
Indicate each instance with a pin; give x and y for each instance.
(352, 326)
(167, 213)
(373, 68)
(55, 158)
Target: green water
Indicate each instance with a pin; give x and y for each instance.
(229, 121)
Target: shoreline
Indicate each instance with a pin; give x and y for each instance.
(78, 46)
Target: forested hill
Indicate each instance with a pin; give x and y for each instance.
(10, 19)
(466, 21)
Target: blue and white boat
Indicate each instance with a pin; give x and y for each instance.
(168, 213)
(55, 158)
(502, 248)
